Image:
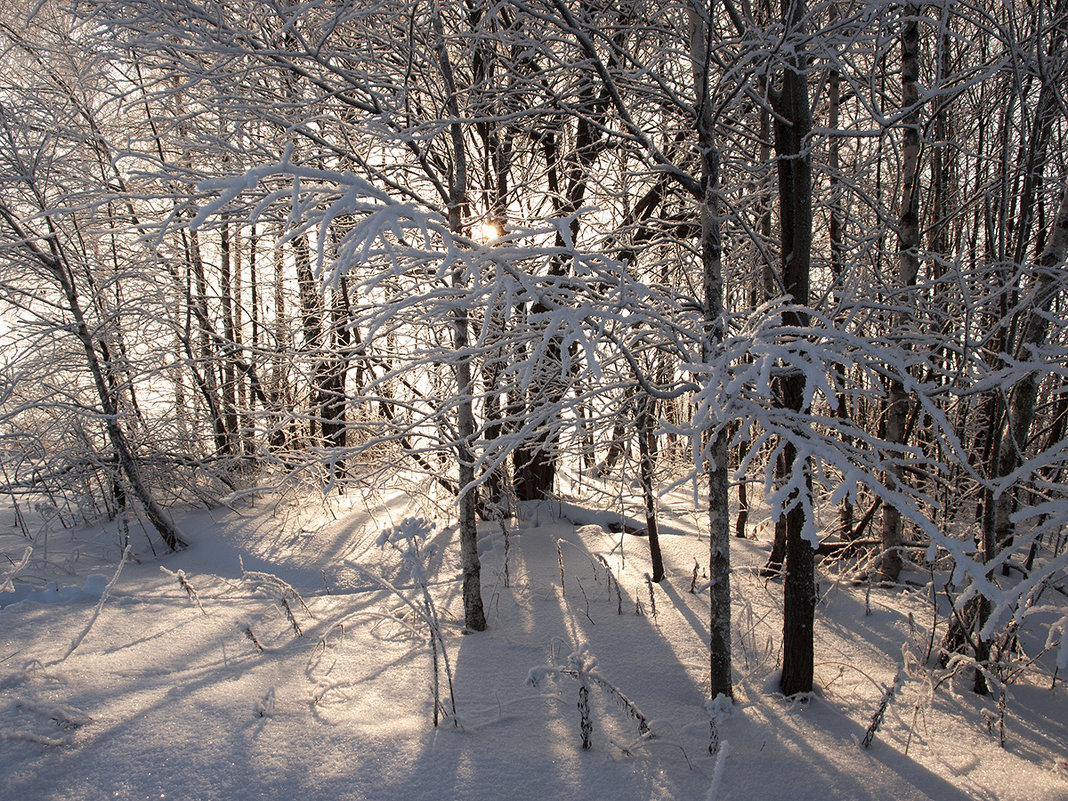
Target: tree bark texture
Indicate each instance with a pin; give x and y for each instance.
(474, 614)
(719, 564)
(897, 401)
(793, 122)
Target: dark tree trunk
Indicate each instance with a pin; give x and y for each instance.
(777, 556)
(836, 233)
(206, 350)
(333, 400)
(646, 435)
(229, 374)
(712, 313)
(897, 402)
(792, 125)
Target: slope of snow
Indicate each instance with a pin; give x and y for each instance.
(166, 695)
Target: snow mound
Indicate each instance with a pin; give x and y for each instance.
(52, 593)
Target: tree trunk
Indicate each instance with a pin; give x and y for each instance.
(646, 433)
(777, 555)
(333, 372)
(311, 317)
(229, 374)
(897, 402)
(741, 522)
(474, 615)
(712, 312)
(793, 122)
(836, 233)
(206, 350)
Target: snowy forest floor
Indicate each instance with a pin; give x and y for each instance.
(162, 699)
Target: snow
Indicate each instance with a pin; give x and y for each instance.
(165, 698)
(51, 593)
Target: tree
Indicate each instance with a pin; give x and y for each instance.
(792, 125)
(873, 339)
(46, 219)
(713, 321)
(897, 404)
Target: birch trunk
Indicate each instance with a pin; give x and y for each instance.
(474, 614)
(719, 563)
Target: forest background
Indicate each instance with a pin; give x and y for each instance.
(813, 251)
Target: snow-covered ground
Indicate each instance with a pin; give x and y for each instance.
(167, 696)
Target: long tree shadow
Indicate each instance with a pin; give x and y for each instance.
(819, 746)
(563, 597)
(198, 713)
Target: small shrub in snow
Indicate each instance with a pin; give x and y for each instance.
(880, 711)
(613, 582)
(183, 582)
(280, 592)
(407, 539)
(582, 668)
(995, 721)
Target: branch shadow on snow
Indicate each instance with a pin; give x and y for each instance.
(514, 735)
(193, 710)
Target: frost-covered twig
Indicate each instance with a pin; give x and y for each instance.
(581, 667)
(586, 599)
(717, 773)
(246, 629)
(585, 725)
(613, 582)
(6, 585)
(280, 592)
(100, 605)
(507, 552)
(183, 582)
(560, 561)
(652, 597)
(877, 718)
